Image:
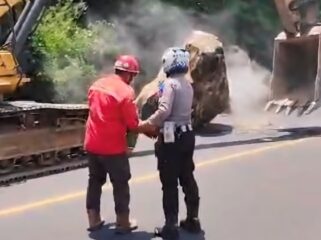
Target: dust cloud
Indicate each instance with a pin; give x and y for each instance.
(248, 82)
(146, 28)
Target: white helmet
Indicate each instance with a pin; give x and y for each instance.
(175, 60)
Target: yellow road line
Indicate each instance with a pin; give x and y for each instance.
(142, 179)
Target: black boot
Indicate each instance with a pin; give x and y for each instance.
(191, 223)
(169, 230)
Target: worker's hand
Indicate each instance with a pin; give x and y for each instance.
(129, 151)
(148, 129)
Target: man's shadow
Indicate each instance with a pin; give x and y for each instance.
(108, 232)
(187, 236)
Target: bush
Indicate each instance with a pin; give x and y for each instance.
(71, 54)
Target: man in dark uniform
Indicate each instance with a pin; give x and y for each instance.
(175, 145)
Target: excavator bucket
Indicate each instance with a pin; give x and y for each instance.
(295, 81)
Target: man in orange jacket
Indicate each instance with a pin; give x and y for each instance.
(112, 113)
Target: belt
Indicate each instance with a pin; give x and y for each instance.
(181, 128)
(184, 128)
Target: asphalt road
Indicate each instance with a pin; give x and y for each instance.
(258, 183)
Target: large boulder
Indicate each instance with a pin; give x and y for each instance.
(207, 74)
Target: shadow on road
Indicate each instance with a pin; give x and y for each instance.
(293, 134)
(214, 130)
(107, 232)
(187, 236)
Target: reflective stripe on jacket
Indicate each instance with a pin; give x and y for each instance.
(111, 112)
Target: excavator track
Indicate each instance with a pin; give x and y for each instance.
(23, 173)
(38, 139)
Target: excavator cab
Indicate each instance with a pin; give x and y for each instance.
(10, 76)
(295, 81)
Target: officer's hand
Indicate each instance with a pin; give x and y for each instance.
(151, 135)
(147, 128)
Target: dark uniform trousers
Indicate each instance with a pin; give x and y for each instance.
(175, 163)
(117, 166)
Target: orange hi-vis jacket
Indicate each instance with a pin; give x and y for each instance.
(112, 112)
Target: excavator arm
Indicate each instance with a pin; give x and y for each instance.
(296, 73)
(17, 19)
(288, 18)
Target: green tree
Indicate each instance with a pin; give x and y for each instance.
(71, 53)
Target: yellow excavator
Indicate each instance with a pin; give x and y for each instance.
(32, 134)
(296, 75)
(11, 78)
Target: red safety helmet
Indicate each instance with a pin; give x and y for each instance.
(127, 63)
